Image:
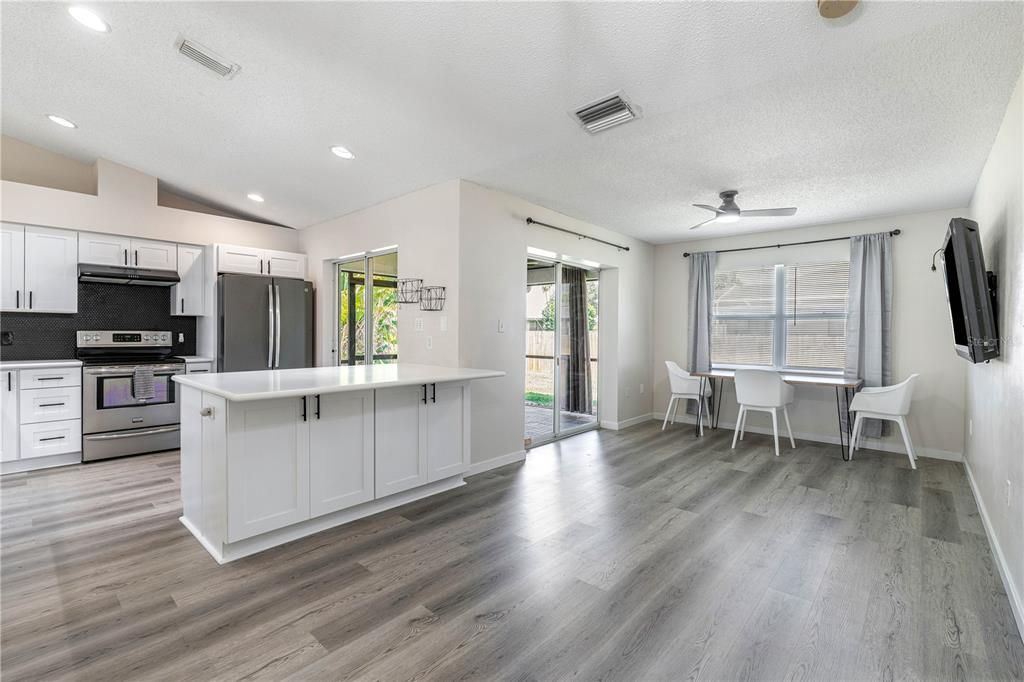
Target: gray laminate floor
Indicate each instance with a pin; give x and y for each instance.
(616, 555)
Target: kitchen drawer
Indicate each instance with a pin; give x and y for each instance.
(51, 404)
(198, 367)
(48, 378)
(51, 438)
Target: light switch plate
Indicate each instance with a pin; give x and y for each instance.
(181, 337)
(501, 326)
(419, 324)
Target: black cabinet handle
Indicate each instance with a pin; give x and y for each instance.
(30, 300)
(9, 381)
(52, 438)
(136, 256)
(49, 378)
(126, 256)
(303, 408)
(261, 266)
(424, 394)
(268, 266)
(17, 298)
(433, 393)
(50, 404)
(318, 406)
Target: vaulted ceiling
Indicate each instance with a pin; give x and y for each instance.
(891, 109)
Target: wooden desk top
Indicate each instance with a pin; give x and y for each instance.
(827, 380)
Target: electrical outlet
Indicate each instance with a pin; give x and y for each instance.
(430, 343)
(419, 324)
(501, 326)
(7, 338)
(970, 427)
(181, 337)
(1009, 492)
(641, 389)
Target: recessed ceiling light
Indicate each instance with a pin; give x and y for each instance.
(61, 121)
(343, 152)
(87, 18)
(255, 197)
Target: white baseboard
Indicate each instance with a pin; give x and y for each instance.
(17, 466)
(626, 423)
(495, 462)
(833, 439)
(1016, 602)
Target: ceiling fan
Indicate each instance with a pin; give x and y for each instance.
(729, 212)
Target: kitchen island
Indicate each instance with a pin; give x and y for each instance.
(271, 456)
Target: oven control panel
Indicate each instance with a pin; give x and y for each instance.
(123, 339)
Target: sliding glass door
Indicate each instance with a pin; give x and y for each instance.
(367, 306)
(561, 350)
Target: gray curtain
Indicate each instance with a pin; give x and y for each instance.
(578, 389)
(702, 295)
(869, 316)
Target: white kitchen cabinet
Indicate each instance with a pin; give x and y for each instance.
(246, 260)
(400, 438)
(241, 260)
(50, 377)
(340, 451)
(103, 249)
(12, 267)
(111, 249)
(188, 296)
(267, 466)
(198, 367)
(40, 269)
(50, 438)
(9, 432)
(285, 264)
(51, 270)
(50, 404)
(447, 425)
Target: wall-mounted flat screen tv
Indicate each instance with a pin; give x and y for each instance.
(970, 291)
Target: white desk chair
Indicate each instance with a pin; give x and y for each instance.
(684, 387)
(885, 402)
(762, 390)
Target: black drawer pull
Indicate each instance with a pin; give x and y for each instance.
(303, 408)
(49, 378)
(53, 438)
(433, 393)
(50, 404)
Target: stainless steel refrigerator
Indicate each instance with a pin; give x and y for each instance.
(264, 323)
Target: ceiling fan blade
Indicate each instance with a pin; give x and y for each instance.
(709, 220)
(767, 212)
(708, 208)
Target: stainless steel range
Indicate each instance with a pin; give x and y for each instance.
(129, 403)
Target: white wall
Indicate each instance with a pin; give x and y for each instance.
(922, 335)
(994, 453)
(425, 227)
(494, 239)
(126, 203)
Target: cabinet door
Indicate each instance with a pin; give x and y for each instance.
(243, 260)
(12, 267)
(103, 249)
(447, 430)
(284, 264)
(400, 440)
(9, 436)
(188, 296)
(268, 466)
(340, 451)
(59, 403)
(51, 270)
(155, 255)
(198, 367)
(50, 438)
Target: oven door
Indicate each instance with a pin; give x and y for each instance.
(109, 402)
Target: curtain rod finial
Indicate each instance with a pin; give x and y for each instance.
(686, 254)
(896, 231)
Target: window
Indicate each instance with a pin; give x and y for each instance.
(781, 316)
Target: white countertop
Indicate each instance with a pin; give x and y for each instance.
(38, 364)
(285, 383)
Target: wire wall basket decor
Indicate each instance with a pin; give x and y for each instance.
(432, 298)
(409, 290)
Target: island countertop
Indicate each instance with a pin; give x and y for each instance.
(286, 383)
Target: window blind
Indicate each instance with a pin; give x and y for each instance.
(815, 314)
(742, 332)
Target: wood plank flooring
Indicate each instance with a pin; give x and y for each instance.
(613, 555)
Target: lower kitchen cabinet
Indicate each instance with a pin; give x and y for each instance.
(267, 466)
(40, 417)
(401, 439)
(447, 429)
(341, 447)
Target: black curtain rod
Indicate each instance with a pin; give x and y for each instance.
(686, 254)
(531, 221)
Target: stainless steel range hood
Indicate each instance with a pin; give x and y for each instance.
(116, 274)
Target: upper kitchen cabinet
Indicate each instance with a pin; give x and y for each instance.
(247, 260)
(188, 296)
(40, 269)
(106, 249)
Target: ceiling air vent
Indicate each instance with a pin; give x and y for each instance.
(606, 113)
(207, 58)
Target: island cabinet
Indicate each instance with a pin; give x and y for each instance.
(264, 462)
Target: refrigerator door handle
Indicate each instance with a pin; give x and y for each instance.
(270, 325)
(277, 338)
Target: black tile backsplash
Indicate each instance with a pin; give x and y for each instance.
(47, 336)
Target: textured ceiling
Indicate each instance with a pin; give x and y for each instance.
(891, 109)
